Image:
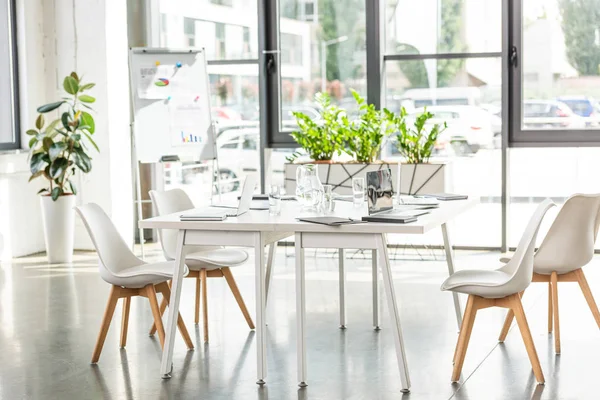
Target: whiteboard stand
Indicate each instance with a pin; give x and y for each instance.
(138, 191)
(216, 170)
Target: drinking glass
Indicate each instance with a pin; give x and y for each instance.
(274, 200)
(358, 190)
(328, 205)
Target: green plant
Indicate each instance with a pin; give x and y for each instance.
(416, 142)
(321, 139)
(58, 149)
(365, 135)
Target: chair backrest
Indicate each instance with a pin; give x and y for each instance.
(569, 244)
(170, 202)
(520, 266)
(114, 253)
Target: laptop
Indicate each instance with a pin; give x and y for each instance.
(381, 203)
(220, 212)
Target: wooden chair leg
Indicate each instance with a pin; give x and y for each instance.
(203, 277)
(162, 308)
(517, 308)
(197, 311)
(510, 315)
(151, 294)
(125, 320)
(165, 290)
(238, 297)
(554, 282)
(550, 312)
(108, 314)
(587, 293)
(463, 338)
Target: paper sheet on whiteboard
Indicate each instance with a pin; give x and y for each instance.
(167, 81)
(186, 124)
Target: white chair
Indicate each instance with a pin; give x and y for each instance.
(568, 246)
(499, 288)
(203, 261)
(128, 275)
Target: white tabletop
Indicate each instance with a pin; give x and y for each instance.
(260, 220)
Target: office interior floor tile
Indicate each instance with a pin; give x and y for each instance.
(50, 316)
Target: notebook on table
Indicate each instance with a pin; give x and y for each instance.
(222, 211)
(330, 221)
(445, 196)
(381, 204)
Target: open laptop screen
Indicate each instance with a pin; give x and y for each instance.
(379, 191)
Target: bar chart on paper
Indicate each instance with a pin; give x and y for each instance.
(187, 137)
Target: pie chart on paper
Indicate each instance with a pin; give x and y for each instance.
(162, 82)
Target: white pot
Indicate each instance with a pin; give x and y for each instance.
(59, 227)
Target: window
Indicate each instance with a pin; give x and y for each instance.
(9, 132)
(249, 143)
(219, 41)
(291, 49)
(189, 30)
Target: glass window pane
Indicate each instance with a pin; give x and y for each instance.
(322, 49)
(561, 60)
(443, 26)
(227, 29)
(6, 93)
(466, 94)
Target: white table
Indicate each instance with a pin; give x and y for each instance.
(257, 229)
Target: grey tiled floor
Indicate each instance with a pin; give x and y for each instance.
(50, 315)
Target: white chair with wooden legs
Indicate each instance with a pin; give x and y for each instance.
(128, 275)
(203, 261)
(499, 288)
(566, 249)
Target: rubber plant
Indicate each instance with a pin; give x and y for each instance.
(364, 136)
(416, 143)
(61, 147)
(323, 138)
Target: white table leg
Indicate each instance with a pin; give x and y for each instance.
(388, 284)
(450, 262)
(342, 271)
(261, 342)
(166, 365)
(300, 311)
(376, 324)
(269, 272)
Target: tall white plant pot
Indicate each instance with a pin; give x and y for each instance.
(59, 227)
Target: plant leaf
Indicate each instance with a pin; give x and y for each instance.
(33, 141)
(65, 121)
(87, 99)
(38, 162)
(31, 132)
(87, 119)
(57, 191)
(36, 175)
(47, 143)
(39, 122)
(87, 86)
(92, 142)
(70, 84)
(74, 76)
(82, 160)
(42, 190)
(56, 149)
(73, 188)
(58, 166)
(50, 107)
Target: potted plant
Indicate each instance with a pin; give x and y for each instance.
(415, 144)
(59, 149)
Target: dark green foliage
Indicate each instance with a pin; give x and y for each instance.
(580, 25)
(416, 142)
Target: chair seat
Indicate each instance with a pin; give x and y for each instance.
(483, 283)
(215, 259)
(142, 275)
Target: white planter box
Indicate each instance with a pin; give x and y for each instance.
(414, 178)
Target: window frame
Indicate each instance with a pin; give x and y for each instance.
(15, 144)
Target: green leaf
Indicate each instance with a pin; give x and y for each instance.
(38, 162)
(82, 160)
(65, 121)
(31, 132)
(70, 84)
(87, 86)
(58, 166)
(87, 119)
(56, 149)
(86, 98)
(92, 142)
(51, 128)
(73, 188)
(42, 191)
(74, 76)
(47, 143)
(57, 191)
(36, 175)
(39, 122)
(33, 141)
(50, 107)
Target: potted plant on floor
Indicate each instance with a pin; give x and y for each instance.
(416, 143)
(57, 150)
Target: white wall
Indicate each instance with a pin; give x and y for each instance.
(56, 37)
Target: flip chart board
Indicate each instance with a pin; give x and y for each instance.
(171, 104)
